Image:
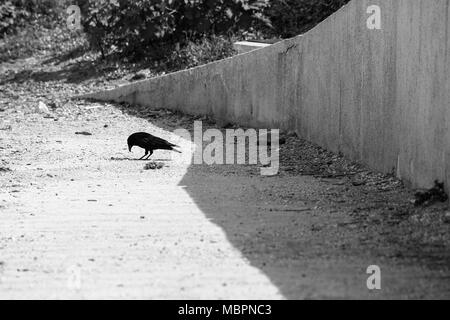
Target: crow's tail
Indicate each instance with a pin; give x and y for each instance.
(173, 149)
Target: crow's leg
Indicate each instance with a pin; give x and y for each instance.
(151, 152)
(146, 153)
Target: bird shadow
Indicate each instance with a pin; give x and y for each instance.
(137, 159)
(162, 160)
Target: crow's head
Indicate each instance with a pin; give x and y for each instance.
(130, 143)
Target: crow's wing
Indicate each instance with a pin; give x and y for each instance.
(157, 142)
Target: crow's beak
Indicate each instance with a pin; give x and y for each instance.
(129, 148)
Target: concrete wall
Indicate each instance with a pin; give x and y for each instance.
(379, 96)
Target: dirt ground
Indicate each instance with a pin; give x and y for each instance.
(81, 218)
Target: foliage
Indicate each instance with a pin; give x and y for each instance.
(174, 34)
(10, 16)
(293, 17)
(135, 28)
(15, 14)
(205, 50)
(35, 40)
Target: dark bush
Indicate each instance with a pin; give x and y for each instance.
(15, 14)
(11, 17)
(175, 33)
(141, 27)
(293, 17)
(200, 52)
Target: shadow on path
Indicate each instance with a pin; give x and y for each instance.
(315, 237)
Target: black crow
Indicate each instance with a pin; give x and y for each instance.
(149, 143)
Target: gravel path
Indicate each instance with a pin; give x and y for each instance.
(80, 218)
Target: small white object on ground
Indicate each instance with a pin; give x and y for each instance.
(42, 107)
